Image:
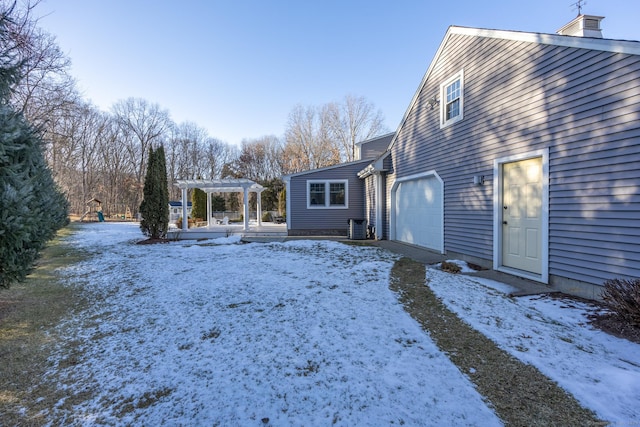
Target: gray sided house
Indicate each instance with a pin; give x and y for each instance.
(519, 152)
(322, 201)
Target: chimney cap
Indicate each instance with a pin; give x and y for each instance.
(583, 26)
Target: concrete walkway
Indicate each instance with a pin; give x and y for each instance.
(524, 286)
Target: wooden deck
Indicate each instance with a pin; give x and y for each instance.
(267, 229)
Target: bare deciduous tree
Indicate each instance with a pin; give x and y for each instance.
(46, 84)
(354, 120)
(259, 159)
(142, 124)
(216, 154)
(323, 136)
(308, 143)
(115, 168)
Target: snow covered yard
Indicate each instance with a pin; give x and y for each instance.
(302, 333)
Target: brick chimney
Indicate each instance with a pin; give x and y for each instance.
(583, 26)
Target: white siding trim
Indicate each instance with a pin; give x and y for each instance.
(497, 214)
(287, 181)
(392, 220)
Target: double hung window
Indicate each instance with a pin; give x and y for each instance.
(452, 100)
(327, 194)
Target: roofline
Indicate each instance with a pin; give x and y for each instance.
(609, 45)
(374, 138)
(339, 165)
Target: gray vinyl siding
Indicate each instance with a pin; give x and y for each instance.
(374, 147)
(581, 105)
(304, 221)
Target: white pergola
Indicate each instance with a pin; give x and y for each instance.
(238, 185)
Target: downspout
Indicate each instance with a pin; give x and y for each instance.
(377, 192)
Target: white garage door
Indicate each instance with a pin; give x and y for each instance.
(419, 212)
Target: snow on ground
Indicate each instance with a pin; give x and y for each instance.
(601, 371)
(306, 333)
(297, 333)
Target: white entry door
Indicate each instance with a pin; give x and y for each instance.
(522, 215)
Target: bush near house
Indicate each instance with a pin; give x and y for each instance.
(450, 267)
(622, 297)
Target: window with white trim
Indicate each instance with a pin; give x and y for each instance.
(327, 194)
(452, 100)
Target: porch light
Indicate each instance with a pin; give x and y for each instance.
(433, 102)
(478, 179)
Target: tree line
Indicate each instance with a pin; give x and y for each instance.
(103, 154)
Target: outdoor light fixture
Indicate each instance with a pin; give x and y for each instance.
(478, 179)
(433, 102)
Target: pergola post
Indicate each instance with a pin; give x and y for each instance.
(259, 204)
(185, 220)
(208, 209)
(246, 208)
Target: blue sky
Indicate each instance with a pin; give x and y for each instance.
(238, 67)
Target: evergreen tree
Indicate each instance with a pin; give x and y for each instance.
(218, 203)
(32, 208)
(198, 204)
(155, 204)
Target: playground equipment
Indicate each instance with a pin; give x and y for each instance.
(93, 205)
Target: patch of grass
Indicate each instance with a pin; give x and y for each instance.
(309, 369)
(148, 399)
(238, 304)
(450, 267)
(211, 334)
(28, 313)
(519, 393)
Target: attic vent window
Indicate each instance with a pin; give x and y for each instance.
(592, 24)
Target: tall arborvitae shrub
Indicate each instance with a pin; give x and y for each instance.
(198, 204)
(32, 208)
(155, 204)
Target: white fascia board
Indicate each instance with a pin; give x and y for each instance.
(608, 45)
